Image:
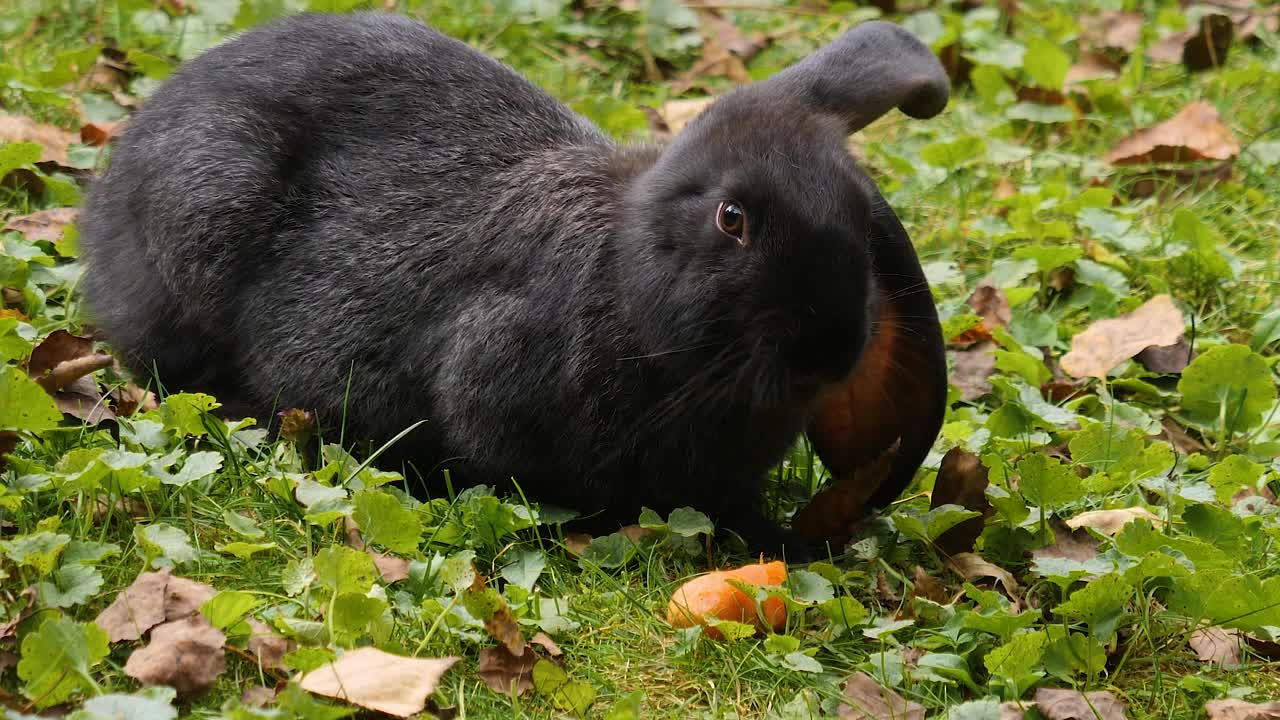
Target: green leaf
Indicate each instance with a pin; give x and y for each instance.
(808, 587)
(689, 522)
(56, 660)
(24, 405)
(1100, 603)
(988, 709)
(801, 662)
(184, 413)
(610, 551)
(71, 584)
(1039, 113)
(1074, 654)
(1046, 64)
(18, 155)
(568, 695)
(352, 613)
(87, 552)
(525, 569)
(732, 630)
(39, 551)
(385, 521)
(1101, 445)
(154, 703)
(306, 659)
(229, 607)
(627, 708)
(242, 525)
(1048, 257)
(926, 527)
(1228, 388)
(162, 544)
(198, 466)
(1266, 330)
(954, 154)
(1018, 656)
(1047, 483)
(844, 612)
(458, 571)
(345, 570)
(1029, 368)
(1234, 473)
(781, 644)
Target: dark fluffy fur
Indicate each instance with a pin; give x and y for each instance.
(362, 198)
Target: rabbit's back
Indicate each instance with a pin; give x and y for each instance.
(310, 165)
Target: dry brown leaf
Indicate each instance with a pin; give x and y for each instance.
(1206, 46)
(1241, 710)
(576, 543)
(1110, 522)
(128, 399)
(1060, 704)
(973, 369)
(971, 566)
(137, 608)
(267, 647)
(187, 655)
(1179, 438)
(502, 625)
(545, 642)
(678, 113)
(1195, 133)
(1076, 545)
(1166, 359)
(43, 225)
(990, 302)
(1089, 66)
(1014, 711)
(865, 699)
(391, 568)
(99, 134)
(377, 680)
(9, 627)
(962, 480)
(1217, 646)
(183, 597)
(1113, 30)
(928, 587)
(1107, 343)
(54, 140)
(256, 696)
(505, 673)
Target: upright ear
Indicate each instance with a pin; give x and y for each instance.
(864, 74)
(896, 396)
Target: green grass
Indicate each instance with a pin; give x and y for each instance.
(1214, 247)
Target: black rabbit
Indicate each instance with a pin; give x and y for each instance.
(360, 202)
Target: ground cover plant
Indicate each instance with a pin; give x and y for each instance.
(1094, 535)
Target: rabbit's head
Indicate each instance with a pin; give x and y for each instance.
(771, 264)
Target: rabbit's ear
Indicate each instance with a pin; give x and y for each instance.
(864, 74)
(883, 420)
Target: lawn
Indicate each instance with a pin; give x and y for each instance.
(1094, 535)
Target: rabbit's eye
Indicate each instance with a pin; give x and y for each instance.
(732, 221)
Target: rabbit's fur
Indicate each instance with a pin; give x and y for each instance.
(360, 216)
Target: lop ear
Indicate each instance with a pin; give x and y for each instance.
(896, 397)
(864, 74)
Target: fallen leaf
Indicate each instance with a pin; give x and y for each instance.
(1060, 704)
(1240, 710)
(884, 589)
(1166, 359)
(678, 113)
(865, 699)
(1014, 711)
(990, 302)
(971, 566)
(390, 567)
(377, 680)
(1107, 343)
(974, 367)
(44, 224)
(1110, 522)
(256, 696)
(1179, 438)
(267, 647)
(9, 627)
(1217, 646)
(962, 480)
(1076, 545)
(54, 140)
(1202, 48)
(499, 622)
(62, 364)
(128, 399)
(153, 598)
(98, 134)
(1113, 30)
(137, 608)
(505, 673)
(576, 543)
(1089, 66)
(545, 642)
(187, 655)
(1166, 182)
(928, 587)
(1195, 133)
